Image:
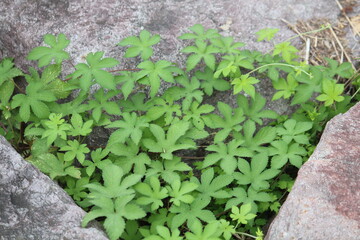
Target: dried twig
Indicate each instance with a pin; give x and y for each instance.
(347, 17)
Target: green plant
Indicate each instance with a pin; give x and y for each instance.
(140, 186)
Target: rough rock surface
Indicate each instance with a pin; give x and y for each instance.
(324, 201)
(33, 207)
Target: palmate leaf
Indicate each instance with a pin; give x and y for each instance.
(75, 150)
(253, 109)
(130, 157)
(136, 102)
(99, 161)
(209, 232)
(55, 166)
(102, 103)
(286, 88)
(257, 174)
(266, 34)
(7, 73)
(254, 142)
(164, 108)
(55, 128)
(189, 92)
(199, 33)
(153, 193)
(287, 51)
(294, 130)
(181, 192)
(194, 114)
(76, 188)
(127, 81)
(331, 92)
(240, 195)
(191, 212)
(131, 126)
(34, 99)
(163, 233)
(114, 185)
(208, 82)
(154, 72)
(231, 121)
(131, 231)
(309, 85)
(201, 51)
(227, 154)
(283, 152)
(79, 128)
(245, 83)
(167, 143)
(114, 212)
(343, 70)
(93, 70)
(210, 186)
(168, 170)
(227, 45)
(243, 214)
(55, 52)
(140, 45)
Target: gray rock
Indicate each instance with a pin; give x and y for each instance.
(33, 207)
(324, 201)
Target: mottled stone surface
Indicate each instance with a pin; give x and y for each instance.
(33, 207)
(325, 200)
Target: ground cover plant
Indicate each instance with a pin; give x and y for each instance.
(140, 186)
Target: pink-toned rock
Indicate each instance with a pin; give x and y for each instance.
(325, 200)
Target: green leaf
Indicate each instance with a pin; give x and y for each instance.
(231, 121)
(79, 128)
(75, 150)
(93, 70)
(180, 192)
(114, 185)
(136, 102)
(167, 143)
(227, 45)
(331, 92)
(54, 166)
(131, 126)
(284, 152)
(310, 84)
(254, 142)
(34, 100)
(153, 193)
(163, 233)
(227, 154)
(294, 130)
(286, 88)
(131, 231)
(140, 45)
(127, 81)
(163, 108)
(102, 103)
(199, 33)
(226, 229)
(245, 83)
(202, 51)
(7, 73)
(98, 161)
(212, 187)
(287, 51)
(243, 214)
(130, 157)
(194, 114)
(257, 174)
(154, 72)
(249, 196)
(55, 52)
(76, 188)
(56, 128)
(208, 82)
(266, 34)
(209, 232)
(253, 110)
(343, 70)
(191, 212)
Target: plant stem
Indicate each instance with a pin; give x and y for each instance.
(280, 64)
